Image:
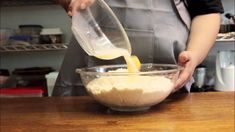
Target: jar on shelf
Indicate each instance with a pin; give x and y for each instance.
(51, 36)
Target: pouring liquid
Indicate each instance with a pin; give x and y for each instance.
(133, 64)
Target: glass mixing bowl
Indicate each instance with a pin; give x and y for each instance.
(120, 90)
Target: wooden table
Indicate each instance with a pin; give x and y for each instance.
(195, 112)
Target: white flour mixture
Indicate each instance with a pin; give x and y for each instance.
(130, 90)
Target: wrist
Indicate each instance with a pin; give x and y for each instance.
(195, 57)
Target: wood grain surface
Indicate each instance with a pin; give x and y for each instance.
(195, 112)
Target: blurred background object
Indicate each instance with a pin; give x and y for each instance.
(5, 34)
(25, 82)
(31, 30)
(21, 92)
(51, 79)
(51, 36)
(230, 16)
(225, 66)
(4, 75)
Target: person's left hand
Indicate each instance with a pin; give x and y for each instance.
(188, 61)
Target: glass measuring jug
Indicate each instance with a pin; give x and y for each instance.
(100, 33)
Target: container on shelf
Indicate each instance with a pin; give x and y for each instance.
(5, 34)
(20, 40)
(31, 30)
(51, 36)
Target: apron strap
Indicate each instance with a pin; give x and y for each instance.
(182, 12)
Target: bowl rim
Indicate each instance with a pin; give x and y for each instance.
(84, 70)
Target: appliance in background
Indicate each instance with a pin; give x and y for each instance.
(225, 71)
(200, 76)
(199, 79)
(202, 82)
(51, 79)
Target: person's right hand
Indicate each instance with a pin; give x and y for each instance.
(78, 4)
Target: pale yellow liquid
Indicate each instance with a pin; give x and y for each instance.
(115, 53)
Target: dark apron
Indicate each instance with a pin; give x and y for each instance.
(156, 32)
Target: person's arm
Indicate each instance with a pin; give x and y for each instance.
(203, 34)
(204, 29)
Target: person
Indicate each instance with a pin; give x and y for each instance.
(157, 32)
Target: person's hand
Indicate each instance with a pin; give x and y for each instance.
(188, 61)
(78, 4)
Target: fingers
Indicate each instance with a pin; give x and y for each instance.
(75, 5)
(186, 74)
(183, 57)
(70, 11)
(184, 77)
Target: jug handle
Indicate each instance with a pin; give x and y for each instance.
(218, 70)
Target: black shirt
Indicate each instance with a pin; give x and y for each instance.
(200, 7)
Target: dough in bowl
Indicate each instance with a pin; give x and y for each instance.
(131, 90)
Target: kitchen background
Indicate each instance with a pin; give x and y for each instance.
(49, 15)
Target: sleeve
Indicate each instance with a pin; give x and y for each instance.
(64, 3)
(201, 7)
